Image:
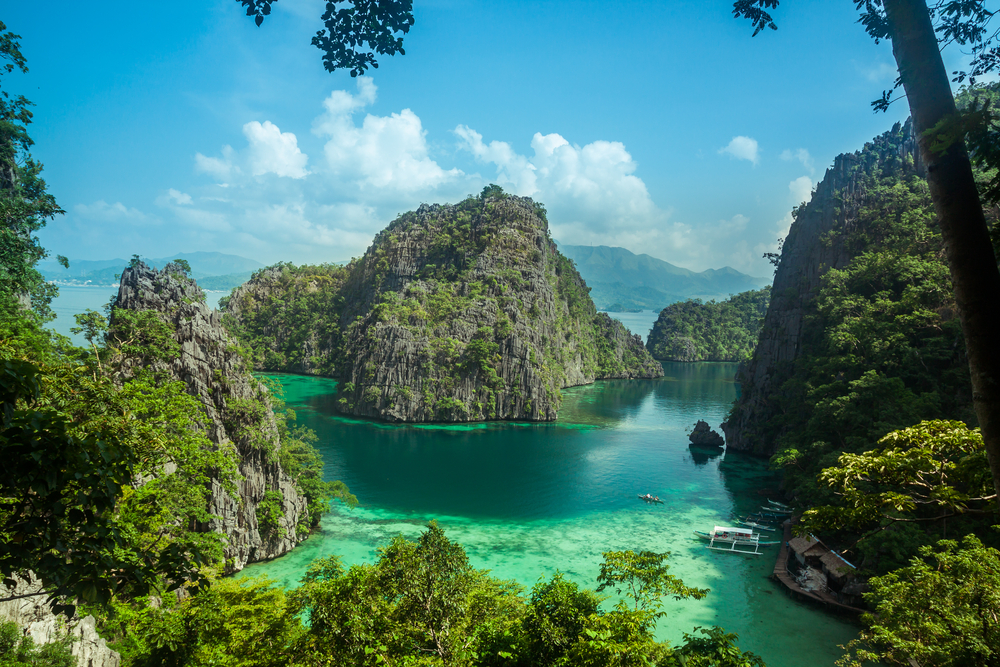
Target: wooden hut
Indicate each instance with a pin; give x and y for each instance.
(806, 549)
(836, 569)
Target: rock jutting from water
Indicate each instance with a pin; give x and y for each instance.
(455, 313)
(211, 367)
(704, 436)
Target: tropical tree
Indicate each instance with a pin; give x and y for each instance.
(894, 498)
(940, 136)
(943, 610)
(349, 29)
(25, 206)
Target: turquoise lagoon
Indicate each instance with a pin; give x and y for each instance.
(526, 500)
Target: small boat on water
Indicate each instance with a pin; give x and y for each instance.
(779, 506)
(767, 509)
(739, 540)
(650, 499)
(758, 526)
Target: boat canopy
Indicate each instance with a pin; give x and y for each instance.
(731, 531)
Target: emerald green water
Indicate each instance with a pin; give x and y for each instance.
(529, 499)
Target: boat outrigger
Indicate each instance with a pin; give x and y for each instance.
(650, 499)
(740, 540)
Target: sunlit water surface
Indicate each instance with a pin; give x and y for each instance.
(527, 500)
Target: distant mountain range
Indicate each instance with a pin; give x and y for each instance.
(212, 270)
(621, 280)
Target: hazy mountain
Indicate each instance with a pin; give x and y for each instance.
(103, 271)
(622, 280)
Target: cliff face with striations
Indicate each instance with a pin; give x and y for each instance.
(34, 617)
(455, 313)
(215, 373)
(807, 253)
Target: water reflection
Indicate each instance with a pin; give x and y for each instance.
(702, 454)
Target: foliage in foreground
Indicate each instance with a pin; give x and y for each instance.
(83, 505)
(942, 610)
(422, 603)
(922, 478)
(18, 650)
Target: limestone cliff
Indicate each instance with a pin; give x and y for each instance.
(35, 619)
(214, 372)
(455, 313)
(808, 252)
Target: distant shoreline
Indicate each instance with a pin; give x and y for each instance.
(62, 284)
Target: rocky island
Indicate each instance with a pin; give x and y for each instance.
(455, 313)
(693, 330)
(237, 411)
(704, 436)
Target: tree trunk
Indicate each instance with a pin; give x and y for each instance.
(973, 265)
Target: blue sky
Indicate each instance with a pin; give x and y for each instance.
(662, 127)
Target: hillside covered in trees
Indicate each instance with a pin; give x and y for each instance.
(861, 368)
(714, 331)
(455, 313)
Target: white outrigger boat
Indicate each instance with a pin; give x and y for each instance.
(739, 540)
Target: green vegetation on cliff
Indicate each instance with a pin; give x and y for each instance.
(455, 313)
(293, 324)
(880, 350)
(714, 331)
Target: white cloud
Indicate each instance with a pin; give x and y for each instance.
(742, 148)
(268, 151)
(877, 72)
(384, 152)
(734, 225)
(589, 191)
(800, 154)
(204, 220)
(801, 189)
(223, 169)
(272, 151)
(102, 211)
(514, 170)
(377, 166)
(178, 197)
